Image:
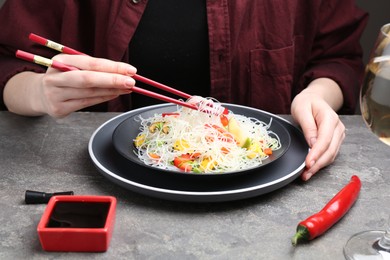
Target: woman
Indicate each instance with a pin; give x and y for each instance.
(299, 57)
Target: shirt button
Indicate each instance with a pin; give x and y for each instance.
(136, 1)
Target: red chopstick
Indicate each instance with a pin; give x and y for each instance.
(61, 48)
(67, 50)
(44, 61)
(53, 45)
(63, 67)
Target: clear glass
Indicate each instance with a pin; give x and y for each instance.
(375, 108)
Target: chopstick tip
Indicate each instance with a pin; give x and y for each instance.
(37, 39)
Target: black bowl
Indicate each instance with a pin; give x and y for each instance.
(129, 128)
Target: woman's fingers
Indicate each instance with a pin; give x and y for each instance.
(60, 101)
(322, 129)
(62, 109)
(324, 151)
(63, 94)
(97, 81)
(84, 62)
(90, 79)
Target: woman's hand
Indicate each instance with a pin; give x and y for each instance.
(315, 112)
(58, 93)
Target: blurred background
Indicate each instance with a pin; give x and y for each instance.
(379, 15)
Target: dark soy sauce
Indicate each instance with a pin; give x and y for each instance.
(79, 215)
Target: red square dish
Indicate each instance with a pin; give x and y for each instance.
(77, 223)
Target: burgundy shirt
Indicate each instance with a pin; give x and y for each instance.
(261, 52)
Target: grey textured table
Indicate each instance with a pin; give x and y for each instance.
(52, 155)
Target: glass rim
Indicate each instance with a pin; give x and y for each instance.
(385, 30)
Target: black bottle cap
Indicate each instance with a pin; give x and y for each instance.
(38, 197)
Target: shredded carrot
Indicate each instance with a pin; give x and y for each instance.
(154, 156)
(224, 120)
(224, 150)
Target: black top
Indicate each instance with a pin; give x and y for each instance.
(171, 46)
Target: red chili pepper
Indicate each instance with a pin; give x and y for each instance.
(333, 211)
(268, 151)
(183, 162)
(225, 111)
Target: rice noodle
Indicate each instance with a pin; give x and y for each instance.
(199, 132)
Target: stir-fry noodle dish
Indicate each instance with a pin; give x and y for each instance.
(208, 140)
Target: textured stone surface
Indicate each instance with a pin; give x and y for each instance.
(51, 155)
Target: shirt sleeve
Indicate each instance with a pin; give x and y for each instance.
(336, 52)
(19, 18)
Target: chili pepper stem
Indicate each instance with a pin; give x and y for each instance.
(301, 235)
